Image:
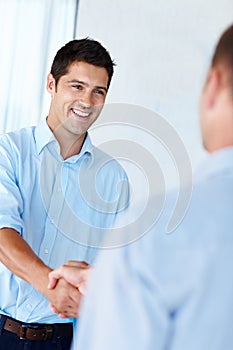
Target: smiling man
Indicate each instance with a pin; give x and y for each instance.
(58, 196)
(76, 103)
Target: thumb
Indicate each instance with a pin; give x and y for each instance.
(53, 278)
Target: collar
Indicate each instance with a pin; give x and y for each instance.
(217, 162)
(44, 136)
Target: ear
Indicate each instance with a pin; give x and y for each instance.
(212, 87)
(51, 84)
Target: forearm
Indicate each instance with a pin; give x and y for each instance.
(20, 259)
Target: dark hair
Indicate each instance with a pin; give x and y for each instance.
(83, 50)
(224, 52)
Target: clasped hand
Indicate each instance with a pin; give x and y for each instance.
(68, 284)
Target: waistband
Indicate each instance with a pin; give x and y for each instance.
(36, 331)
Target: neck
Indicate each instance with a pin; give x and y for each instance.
(70, 145)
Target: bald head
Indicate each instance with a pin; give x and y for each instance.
(223, 54)
(217, 97)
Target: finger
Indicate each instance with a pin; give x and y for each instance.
(75, 263)
(52, 282)
(58, 273)
(53, 309)
(74, 275)
(54, 276)
(68, 315)
(65, 314)
(83, 289)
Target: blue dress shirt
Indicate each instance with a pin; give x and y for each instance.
(62, 208)
(170, 292)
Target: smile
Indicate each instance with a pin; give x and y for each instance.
(81, 114)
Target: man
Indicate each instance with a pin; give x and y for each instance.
(175, 291)
(57, 196)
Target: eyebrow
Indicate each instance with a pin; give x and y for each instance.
(85, 84)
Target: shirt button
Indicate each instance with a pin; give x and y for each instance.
(46, 251)
(59, 189)
(29, 306)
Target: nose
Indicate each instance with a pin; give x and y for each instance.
(86, 99)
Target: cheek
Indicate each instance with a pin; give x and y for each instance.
(99, 103)
(202, 112)
(98, 109)
(68, 97)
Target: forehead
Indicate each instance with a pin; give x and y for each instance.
(87, 73)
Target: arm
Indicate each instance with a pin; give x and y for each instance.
(20, 259)
(114, 312)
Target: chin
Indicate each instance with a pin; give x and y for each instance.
(78, 132)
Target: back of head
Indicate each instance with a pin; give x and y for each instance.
(83, 50)
(224, 53)
(216, 112)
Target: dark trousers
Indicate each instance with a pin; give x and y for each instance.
(10, 341)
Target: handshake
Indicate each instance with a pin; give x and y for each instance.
(69, 281)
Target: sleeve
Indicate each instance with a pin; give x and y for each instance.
(124, 192)
(11, 203)
(121, 310)
(164, 291)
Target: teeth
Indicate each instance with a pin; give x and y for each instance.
(79, 113)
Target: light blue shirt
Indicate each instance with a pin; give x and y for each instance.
(170, 292)
(62, 208)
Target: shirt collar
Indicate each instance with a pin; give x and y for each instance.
(44, 136)
(219, 161)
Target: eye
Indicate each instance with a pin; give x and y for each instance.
(99, 92)
(77, 87)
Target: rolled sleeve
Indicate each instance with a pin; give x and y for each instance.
(11, 203)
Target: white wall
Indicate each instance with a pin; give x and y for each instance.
(162, 49)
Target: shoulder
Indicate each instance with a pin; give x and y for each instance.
(107, 164)
(18, 136)
(16, 144)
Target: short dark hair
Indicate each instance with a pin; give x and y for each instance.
(224, 52)
(82, 50)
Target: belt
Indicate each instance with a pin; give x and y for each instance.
(37, 331)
